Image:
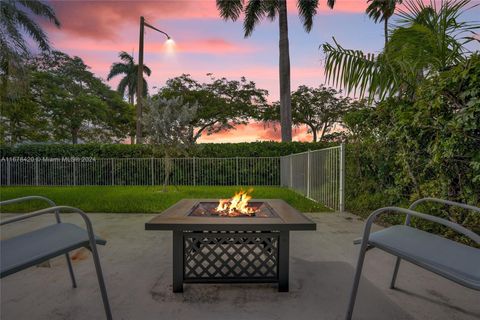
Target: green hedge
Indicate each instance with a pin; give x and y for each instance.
(220, 150)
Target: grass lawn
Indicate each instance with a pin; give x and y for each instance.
(141, 199)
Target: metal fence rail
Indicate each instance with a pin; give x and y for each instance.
(318, 175)
(184, 171)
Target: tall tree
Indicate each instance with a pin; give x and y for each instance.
(382, 10)
(254, 11)
(128, 69)
(78, 105)
(318, 108)
(222, 103)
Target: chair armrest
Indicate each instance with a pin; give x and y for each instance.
(24, 199)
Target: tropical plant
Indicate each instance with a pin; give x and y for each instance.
(129, 70)
(255, 11)
(382, 10)
(404, 149)
(15, 19)
(428, 38)
(16, 22)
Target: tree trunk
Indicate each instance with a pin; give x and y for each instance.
(284, 73)
(385, 30)
(132, 102)
(324, 129)
(314, 132)
(74, 136)
(168, 170)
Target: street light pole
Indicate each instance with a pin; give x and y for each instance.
(140, 77)
(140, 83)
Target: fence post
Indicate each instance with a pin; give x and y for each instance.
(74, 172)
(308, 172)
(342, 178)
(236, 175)
(151, 171)
(113, 173)
(291, 171)
(36, 171)
(194, 173)
(8, 172)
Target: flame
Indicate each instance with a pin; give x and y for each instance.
(236, 206)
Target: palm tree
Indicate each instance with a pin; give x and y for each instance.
(428, 38)
(255, 11)
(16, 23)
(382, 10)
(128, 85)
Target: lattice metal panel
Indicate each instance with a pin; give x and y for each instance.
(231, 256)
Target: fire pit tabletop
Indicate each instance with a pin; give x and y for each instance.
(178, 217)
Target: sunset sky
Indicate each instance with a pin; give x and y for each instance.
(97, 30)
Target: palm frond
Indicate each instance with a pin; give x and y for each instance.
(355, 71)
(145, 88)
(118, 68)
(12, 38)
(230, 9)
(271, 8)
(254, 12)
(451, 32)
(41, 9)
(146, 70)
(381, 10)
(123, 86)
(374, 10)
(331, 3)
(126, 57)
(307, 9)
(33, 30)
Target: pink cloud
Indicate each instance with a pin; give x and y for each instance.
(104, 19)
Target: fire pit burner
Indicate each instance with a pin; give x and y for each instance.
(211, 247)
(209, 209)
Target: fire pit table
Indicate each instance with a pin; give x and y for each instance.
(209, 247)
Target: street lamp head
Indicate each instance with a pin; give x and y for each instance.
(170, 46)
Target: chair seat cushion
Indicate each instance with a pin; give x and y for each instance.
(450, 259)
(37, 246)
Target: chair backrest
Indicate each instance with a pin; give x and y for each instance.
(25, 199)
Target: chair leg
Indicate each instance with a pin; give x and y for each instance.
(356, 281)
(395, 272)
(101, 282)
(70, 270)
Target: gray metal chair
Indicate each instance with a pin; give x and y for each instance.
(31, 248)
(455, 261)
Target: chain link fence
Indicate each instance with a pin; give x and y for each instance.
(183, 171)
(318, 175)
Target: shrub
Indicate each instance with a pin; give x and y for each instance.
(220, 150)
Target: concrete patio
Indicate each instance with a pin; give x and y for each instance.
(137, 266)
